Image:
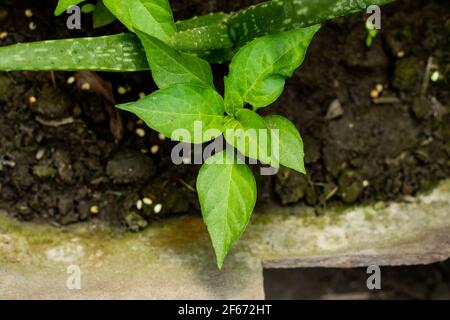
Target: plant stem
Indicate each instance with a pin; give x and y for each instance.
(212, 36)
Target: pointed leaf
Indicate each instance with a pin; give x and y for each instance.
(170, 66)
(259, 69)
(249, 133)
(288, 143)
(227, 193)
(101, 16)
(233, 100)
(153, 17)
(63, 5)
(185, 109)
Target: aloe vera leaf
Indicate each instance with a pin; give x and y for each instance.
(121, 52)
(202, 21)
(280, 15)
(245, 25)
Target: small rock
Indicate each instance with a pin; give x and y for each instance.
(350, 186)
(53, 103)
(290, 185)
(6, 88)
(130, 167)
(22, 177)
(84, 208)
(64, 166)
(44, 171)
(334, 110)
(134, 221)
(65, 204)
(406, 74)
(420, 107)
(69, 218)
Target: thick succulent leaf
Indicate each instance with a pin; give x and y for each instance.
(170, 66)
(101, 16)
(202, 21)
(183, 112)
(259, 69)
(227, 193)
(118, 53)
(153, 17)
(248, 133)
(270, 17)
(63, 5)
(287, 142)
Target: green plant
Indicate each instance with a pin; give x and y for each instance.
(267, 43)
(100, 14)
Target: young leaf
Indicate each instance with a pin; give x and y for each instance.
(185, 110)
(233, 100)
(63, 5)
(153, 17)
(249, 133)
(259, 69)
(288, 142)
(101, 16)
(227, 193)
(170, 66)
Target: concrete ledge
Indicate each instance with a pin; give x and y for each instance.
(173, 259)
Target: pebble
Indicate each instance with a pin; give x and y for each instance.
(435, 76)
(374, 94)
(147, 201)
(335, 110)
(154, 149)
(140, 132)
(121, 90)
(141, 95)
(139, 204)
(161, 137)
(71, 80)
(94, 210)
(32, 100)
(3, 35)
(28, 13)
(86, 86)
(32, 25)
(40, 154)
(158, 208)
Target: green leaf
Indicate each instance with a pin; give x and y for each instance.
(63, 5)
(227, 193)
(287, 143)
(233, 100)
(202, 21)
(153, 17)
(183, 112)
(117, 53)
(87, 8)
(248, 133)
(259, 69)
(170, 66)
(101, 16)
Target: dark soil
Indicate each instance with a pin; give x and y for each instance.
(60, 163)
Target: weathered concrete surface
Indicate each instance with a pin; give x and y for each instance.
(173, 258)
